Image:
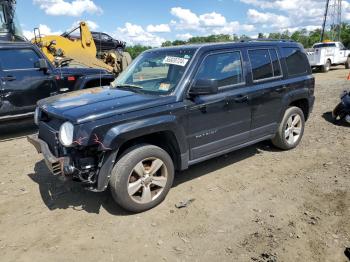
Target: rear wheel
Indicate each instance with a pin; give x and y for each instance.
(142, 178)
(290, 130)
(326, 67)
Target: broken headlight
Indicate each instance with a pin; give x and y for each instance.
(66, 134)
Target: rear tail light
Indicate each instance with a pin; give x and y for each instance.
(71, 78)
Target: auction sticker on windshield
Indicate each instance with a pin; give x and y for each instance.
(173, 60)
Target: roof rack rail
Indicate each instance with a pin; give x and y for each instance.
(267, 40)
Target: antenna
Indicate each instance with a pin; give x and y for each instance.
(332, 20)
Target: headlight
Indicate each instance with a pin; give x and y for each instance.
(66, 134)
(36, 116)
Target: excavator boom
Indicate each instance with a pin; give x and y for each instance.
(78, 47)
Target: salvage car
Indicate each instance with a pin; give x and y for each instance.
(175, 107)
(27, 76)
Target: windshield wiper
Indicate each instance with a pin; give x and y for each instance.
(128, 86)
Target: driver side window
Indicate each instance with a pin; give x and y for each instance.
(226, 68)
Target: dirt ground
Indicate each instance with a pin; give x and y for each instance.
(255, 204)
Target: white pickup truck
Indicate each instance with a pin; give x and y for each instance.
(324, 55)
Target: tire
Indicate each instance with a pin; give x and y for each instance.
(326, 67)
(338, 112)
(133, 186)
(347, 63)
(283, 138)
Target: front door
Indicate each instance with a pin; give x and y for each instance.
(23, 84)
(218, 122)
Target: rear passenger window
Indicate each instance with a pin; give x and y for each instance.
(224, 67)
(265, 64)
(275, 63)
(18, 59)
(296, 60)
(261, 64)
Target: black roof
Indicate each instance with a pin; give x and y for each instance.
(223, 45)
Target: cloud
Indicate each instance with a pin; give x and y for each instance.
(301, 13)
(44, 31)
(68, 8)
(93, 26)
(212, 19)
(135, 34)
(205, 24)
(274, 20)
(162, 28)
(187, 19)
(184, 37)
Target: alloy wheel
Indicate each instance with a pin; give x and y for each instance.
(147, 180)
(293, 129)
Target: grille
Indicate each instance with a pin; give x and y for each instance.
(56, 169)
(50, 136)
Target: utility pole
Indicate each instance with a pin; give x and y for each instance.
(332, 20)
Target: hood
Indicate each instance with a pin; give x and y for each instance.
(96, 103)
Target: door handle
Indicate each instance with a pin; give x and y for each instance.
(241, 99)
(9, 78)
(281, 89)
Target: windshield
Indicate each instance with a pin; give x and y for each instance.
(155, 72)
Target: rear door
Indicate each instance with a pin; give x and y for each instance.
(23, 83)
(268, 89)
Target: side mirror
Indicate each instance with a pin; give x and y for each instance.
(42, 64)
(204, 87)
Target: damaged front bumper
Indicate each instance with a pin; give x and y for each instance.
(58, 166)
(63, 166)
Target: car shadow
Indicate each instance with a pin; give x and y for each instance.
(318, 71)
(16, 129)
(209, 166)
(328, 117)
(59, 194)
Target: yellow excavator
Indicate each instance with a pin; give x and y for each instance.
(78, 48)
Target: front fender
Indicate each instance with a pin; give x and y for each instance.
(120, 134)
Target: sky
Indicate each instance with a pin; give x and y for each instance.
(152, 22)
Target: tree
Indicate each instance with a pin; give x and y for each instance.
(167, 43)
(135, 50)
(261, 36)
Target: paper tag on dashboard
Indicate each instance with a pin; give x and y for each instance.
(173, 60)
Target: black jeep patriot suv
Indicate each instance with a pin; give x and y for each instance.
(172, 108)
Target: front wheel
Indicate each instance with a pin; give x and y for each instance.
(347, 63)
(142, 178)
(290, 130)
(326, 67)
